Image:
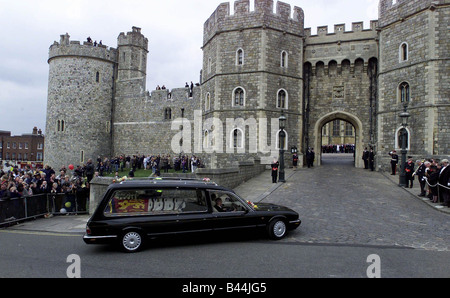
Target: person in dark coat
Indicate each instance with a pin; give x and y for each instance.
(394, 161)
(310, 156)
(295, 161)
(365, 157)
(275, 164)
(420, 172)
(371, 159)
(409, 168)
(444, 176)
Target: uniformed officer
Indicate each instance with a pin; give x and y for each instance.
(274, 166)
(394, 161)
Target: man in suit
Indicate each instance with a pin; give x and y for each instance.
(420, 172)
(365, 157)
(444, 177)
(371, 159)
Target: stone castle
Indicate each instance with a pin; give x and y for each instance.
(256, 65)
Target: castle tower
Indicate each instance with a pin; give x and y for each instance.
(132, 63)
(414, 69)
(80, 93)
(252, 69)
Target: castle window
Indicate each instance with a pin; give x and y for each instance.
(284, 59)
(60, 125)
(239, 97)
(97, 77)
(336, 128)
(168, 114)
(282, 99)
(209, 65)
(278, 140)
(240, 57)
(399, 135)
(208, 102)
(403, 52)
(348, 129)
(206, 139)
(404, 92)
(237, 138)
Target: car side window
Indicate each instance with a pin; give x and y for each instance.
(223, 201)
(155, 202)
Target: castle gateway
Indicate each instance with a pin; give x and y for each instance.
(256, 65)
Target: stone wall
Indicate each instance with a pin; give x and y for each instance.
(421, 26)
(80, 92)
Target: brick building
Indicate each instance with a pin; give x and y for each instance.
(22, 149)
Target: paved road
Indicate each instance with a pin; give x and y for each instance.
(341, 204)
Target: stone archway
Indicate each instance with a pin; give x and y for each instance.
(339, 115)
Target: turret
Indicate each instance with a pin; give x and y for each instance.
(132, 62)
(79, 103)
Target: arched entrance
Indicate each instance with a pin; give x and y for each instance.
(339, 115)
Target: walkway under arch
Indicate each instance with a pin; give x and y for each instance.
(339, 115)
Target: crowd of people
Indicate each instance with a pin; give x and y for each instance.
(433, 176)
(156, 163)
(16, 183)
(73, 182)
(338, 148)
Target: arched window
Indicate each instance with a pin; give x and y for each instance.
(401, 133)
(208, 102)
(60, 125)
(206, 139)
(279, 140)
(239, 97)
(284, 59)
(209, 65)
(404, 92)
(237, 136)
(97, 77)
(168, 114)
(403, 52)
(282, 98)
(240, 57)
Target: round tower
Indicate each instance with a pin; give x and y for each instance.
(79, 104)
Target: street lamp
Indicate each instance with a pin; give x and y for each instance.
(282, 138)
(404, 135)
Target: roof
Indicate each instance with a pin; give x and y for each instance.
(166, 182)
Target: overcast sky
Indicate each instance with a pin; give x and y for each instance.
(174, 29)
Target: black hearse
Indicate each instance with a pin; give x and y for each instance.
(134, 210)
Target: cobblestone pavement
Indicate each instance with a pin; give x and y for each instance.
(340, 204)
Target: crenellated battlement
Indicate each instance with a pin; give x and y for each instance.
(66, 47)
(134, 38)
(341, 34)
(284, 18)
(391, 11)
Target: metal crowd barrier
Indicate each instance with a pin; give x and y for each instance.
(31, 207)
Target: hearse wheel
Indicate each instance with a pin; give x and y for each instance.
(131, 241)
(277, 229)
